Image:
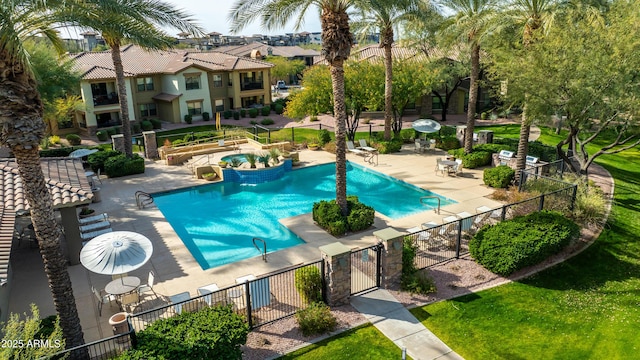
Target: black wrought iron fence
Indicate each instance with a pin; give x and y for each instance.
(365, 269)
(102, 349)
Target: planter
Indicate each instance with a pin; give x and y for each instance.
(313, 147)
(210, 177)
(86, 215)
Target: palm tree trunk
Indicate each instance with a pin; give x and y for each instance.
(340, 114)
(388, 81)
(22, 130)
(523, 143)
(122, 97)
(473, 97)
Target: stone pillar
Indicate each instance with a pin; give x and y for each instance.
(69, 217)
(391, 240)
(150, 144)
(485, 137)
(461, 130)
(118, 142)
(337, 259)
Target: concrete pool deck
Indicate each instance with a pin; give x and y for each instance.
(177, 271)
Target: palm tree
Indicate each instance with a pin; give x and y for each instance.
(470, 24)
(384, 15)
(132, 21)
(23, 128)
(336, 47)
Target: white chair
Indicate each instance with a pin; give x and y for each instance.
(148, 286)
(365, 147)
(207, 290)
(179, 300)
(458, 167)
(441, 168)
(419, 148)
(102, 299)
(96, 178)
(352, 149)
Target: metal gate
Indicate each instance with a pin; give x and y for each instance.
(365, 269)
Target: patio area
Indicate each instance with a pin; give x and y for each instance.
(177, 271)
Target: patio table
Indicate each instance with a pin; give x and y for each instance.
(123, 285)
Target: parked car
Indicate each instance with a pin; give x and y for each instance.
(280, 85)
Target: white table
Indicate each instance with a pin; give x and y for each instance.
(123, 285)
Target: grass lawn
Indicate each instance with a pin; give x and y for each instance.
(585, 308)
(363, 342)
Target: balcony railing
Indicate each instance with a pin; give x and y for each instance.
(253, 85)
(105, 99)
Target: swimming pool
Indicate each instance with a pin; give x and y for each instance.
(217, 222)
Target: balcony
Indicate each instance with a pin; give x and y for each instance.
(110, 99)
(252, 85)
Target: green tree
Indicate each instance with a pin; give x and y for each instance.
(364, 89)
(315, 97)
(336, 47)
(470, 24)
(413, 78)
(284, 68)
(139, 22)
(384, 15)
(23, 129)
(22, 334)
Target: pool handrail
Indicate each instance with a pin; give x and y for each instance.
(264, 245)
(437, 210)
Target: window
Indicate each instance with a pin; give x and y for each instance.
(145, 84)
(147, 110)
(217, 80)
(192, 82)
(219, 105)
(194, 108)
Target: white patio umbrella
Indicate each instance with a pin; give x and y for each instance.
(116, 253)
(426, 125)
(79, 153)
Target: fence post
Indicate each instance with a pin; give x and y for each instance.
(392, 240)
(320, 126)
(370, 131)
(323, 280)
(378, 265)
(293, 136)
(521, 181)
(504, 213)
(541, 205)
(459, 239)
(132, 334)
(573, 197)
(338, 272)
(248, 300)
(269, 136)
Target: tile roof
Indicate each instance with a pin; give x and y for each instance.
(375, 52)
(138, 62)
(284, 51)
(7, 224)
(65, 179)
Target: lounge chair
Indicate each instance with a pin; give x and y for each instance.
(352, 149)
(90, 235)
(365, 147)
(208, 290)
(494, 216)
(94, 218)
(178, 300)
(95, 226)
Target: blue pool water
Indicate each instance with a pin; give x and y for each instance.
(217, 222)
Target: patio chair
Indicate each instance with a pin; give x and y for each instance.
(102, 299)
(441, 168)
(96, 178)
(94, 218)
(352, 149)
(129, 300)
(457, 169)
(210, 291)
(178, 300)
(365, 147)
(148, 286)
(419, 148)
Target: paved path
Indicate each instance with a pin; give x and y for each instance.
(398, 324)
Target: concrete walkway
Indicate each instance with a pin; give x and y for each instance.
(398, 324)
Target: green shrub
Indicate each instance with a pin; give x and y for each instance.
(227, 114)
(449, 142)
(253, 122)
(157, 124)
(523, 241)
(96, 160)
(388, 147)
(412, 279)
(243, 113)
(543, 152)
(279, 109)
(102, 135)
(499, 176)
(323, 137)
(74, 139)
(267, 121)
(253, 112)
(492, 148)
(54, 139)
(328, 216)
(316, 319)
(476, 159)
(308, 282)
(236, 115)
(177, 142)
(59, 152)
(146, 125)
(211, 333)
(111, 131)
(188, 118)
(121, 165)
(205, 116)
(135, 128)
(266, 110)
(447, 131)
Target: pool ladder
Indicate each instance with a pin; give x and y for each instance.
(264, 247)
(143, 198)
(437, 210)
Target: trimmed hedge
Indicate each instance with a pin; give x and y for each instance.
(472, 160)
(59, 152)
(227, 114)
(74, 139)
(236, 115)
(157, 124)
(102, 135)
(328, 216)
(111, 131)
(267, 121)
(498, 177)
(210, 333)
(449, 142)
(96, 160)
(523, 241)
(387, 147)
(308, 282)
(121, 165)
(253, 112)
(146, 125)
(279, 109)
(266, 110)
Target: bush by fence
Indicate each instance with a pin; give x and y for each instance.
(122, 165)
(329, 216)
(498, 177)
